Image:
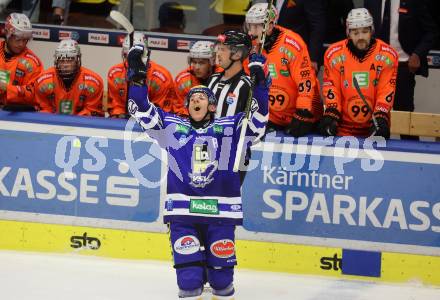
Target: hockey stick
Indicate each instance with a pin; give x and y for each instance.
(120, 19)
(358, 90)
(247, 109)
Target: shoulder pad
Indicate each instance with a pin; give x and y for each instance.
(290, 40)
(115, 70)
(160, 75)
(387, 48)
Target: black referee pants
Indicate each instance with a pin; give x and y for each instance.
(404, 98)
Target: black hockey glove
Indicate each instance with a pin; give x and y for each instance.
(258, 69)
(328, 126)
(137, 70)
(301, 124)
(383, 127)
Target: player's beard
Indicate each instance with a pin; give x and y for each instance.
(362, 44)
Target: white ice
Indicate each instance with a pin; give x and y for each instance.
(37, 276)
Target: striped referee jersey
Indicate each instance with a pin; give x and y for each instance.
(232, 93)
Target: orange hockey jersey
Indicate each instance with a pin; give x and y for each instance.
(160, 88)
(376, 75)
(183, 82)
(18, 74)
(84, 98)
(294, 83)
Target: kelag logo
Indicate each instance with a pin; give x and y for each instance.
(83, 241)
(329, 263)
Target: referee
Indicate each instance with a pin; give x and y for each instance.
(231, 86)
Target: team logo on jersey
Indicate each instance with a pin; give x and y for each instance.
(218, 129)
(346, 85)
(363, 79)
(223, 248)
(272, 70)
(284, 61)
(187, 245)
(203, 167)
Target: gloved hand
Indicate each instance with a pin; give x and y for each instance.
(258, 69)
(301, 124)
(328, 126)
(137, 70)
(383, 127)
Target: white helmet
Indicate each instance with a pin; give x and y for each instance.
(138, 38)
(67, 49)
(202, 49)
(359, 18)
(257, 14)
(19, 25)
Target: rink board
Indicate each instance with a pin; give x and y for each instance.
(265, 256)
(69, 187)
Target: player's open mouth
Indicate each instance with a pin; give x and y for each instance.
(196, 108)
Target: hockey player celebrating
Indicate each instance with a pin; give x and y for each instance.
(19, 66)
(201, 61)
(69, 88)
(203, 204)
(373, 65)
(294, 96)
(160, 82)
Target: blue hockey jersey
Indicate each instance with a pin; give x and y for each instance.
(201, 186)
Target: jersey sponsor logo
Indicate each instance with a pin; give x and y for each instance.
(38, 33)
(204, 206)
(92, 78)
(157, 42)
(272, 70)
(236, 207)
(115, 70)
(287, 52)
(34, 58)
(346, 84)
(183, 44)
(182, 75)
(305, 63)
(389, 50)
(46, 87)
(45, 76)
(19, 73)
(338, 59)
(363, 79)
(293, 43)
(382, 108)
(333, 50)
(285, 73)
(159, 75)
(231, 98)
(5, 75)
(384, 58)
(26, 64)
(284, 61)
(65, 107)
(187, 245)
(119, 80)
(223, 248)
(98, 38)
(327, 83)
(218, 129)
(182, 129)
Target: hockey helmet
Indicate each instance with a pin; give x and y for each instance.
(236, 40)
(139, 38)
(202, 49)
(359, 18)
(67, 59)
(19, 25)
(258, 12)
(201, 89)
